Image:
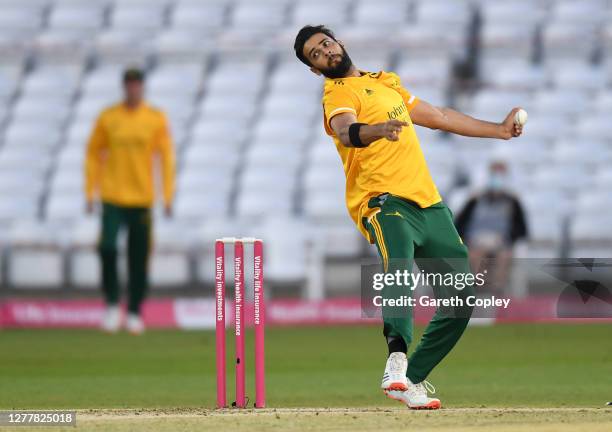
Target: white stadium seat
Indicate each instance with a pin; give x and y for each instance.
(12, 209)
(280, 133)
(259, 204)
(182, 44)
(587, 237)
(267, 157)
(83, 258)
(61, 46)
(214, 179)
(513, 13)
(24, 183)
(176, 78)
(78, 134)
(145, 18)
(514, 75)
(218, 132)
(446, 12)
(562, 41)
(579, 76)
(561, 101)
(23, 20)
(606, 42)
(32, 134)
(324, 154)
(125, 45)
(333, 14)
(325, 205)
(225, 109)
(264, 14)
(496, 102)
(602, 101)
(582, 151)
(508, 40)
(198, 15)
(103, 82)
(273, 179)
(373, 13)
(210, 156)
(21, 159)
(10, 76)
(570, 178)
(80, 17)
(30, 109)
(69, 176)
(291, 75)
(34, 246)
(88, 109)
(282, 104)
(198, 206)
(44, 81)
(428, 72)
(293, 258)
(232, 77)
(596, 126)
(65, 206)
(585, 12)
(324, 178)
(342, 240)
(435, 41)
(170, 266)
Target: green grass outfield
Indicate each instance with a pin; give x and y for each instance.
(500, 366)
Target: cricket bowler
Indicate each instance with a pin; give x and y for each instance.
(391, 196)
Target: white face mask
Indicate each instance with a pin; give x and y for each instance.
(497, 182)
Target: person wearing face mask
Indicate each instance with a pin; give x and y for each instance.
(491, 222)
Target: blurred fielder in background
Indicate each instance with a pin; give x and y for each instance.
(391, 197)
(119, 172)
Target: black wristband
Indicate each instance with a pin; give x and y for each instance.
(354, 135)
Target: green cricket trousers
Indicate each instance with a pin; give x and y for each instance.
(137, 220)
(405, 232)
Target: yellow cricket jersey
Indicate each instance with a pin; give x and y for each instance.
(395, 167)
(121, 154)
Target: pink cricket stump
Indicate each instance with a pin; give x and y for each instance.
(220, 322)
(239, 302)
(259, 317)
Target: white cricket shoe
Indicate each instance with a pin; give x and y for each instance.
(134, 324)
(111, 321)
(416, 396)
(394, 377)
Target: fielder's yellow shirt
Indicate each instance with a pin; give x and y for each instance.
(395, 167)
(121, 154)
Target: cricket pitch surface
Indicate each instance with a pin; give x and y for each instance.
(340, 419)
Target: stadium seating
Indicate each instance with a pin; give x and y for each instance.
(246, 119)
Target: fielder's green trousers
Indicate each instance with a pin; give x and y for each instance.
(137, 220)
(404, 233)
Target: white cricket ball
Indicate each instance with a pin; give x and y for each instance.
(520, 118)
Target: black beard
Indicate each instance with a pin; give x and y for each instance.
(341, 69)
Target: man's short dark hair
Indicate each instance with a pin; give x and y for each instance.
(133, 74)
(303, 35)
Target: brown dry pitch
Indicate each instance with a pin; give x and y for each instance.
(339, 419)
